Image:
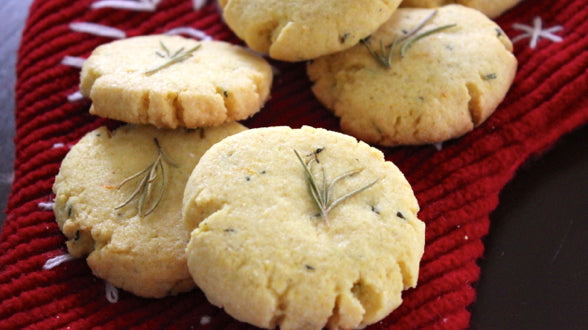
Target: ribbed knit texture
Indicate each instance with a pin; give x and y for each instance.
(457, 187)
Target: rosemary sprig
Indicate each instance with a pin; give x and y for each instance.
(418, 37)
(386, 53)
(175, 57)
(144, 190)
(321, 194)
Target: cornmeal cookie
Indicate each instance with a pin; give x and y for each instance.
(130, 226)
(301, 229)
(172, 81)
(298, 30)
(425, 76)
(492, 8)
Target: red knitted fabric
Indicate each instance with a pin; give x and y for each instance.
(457, 187)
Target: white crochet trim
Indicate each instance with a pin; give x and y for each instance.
(56, 261)
(98, 30)
(536, 32)
(73, 61)
(192, 32)
(136, 5)
(111, 292)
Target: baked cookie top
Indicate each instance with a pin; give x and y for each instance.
(492, 8)
(264, 251)
(129, 229)
(172, 81)
(421, 78)
(298, 30)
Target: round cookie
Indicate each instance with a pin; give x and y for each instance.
(492, 8)
(262, 250)
(127, 240)
(298, 30)
(172, 81)
(427, 87)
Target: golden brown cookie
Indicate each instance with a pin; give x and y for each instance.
(298, 30)
(269, 253)
(130, 227)
(421, 78)
(172, 81)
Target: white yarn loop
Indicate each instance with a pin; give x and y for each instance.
(199, 4)
(111, 292)
(135, 5)
(58, 260)
(46, 206)
(98, 30)
(192, 32)
(75, 96)
(73, 61)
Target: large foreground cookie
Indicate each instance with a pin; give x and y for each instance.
(171, 81)
(298, 30)
(137, 246)
(434, 85)
(492, 8)
(263, 251)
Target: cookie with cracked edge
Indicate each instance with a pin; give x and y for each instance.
(492, 8)
(444, 85)
(124, 243)
(299, 30)
(172, 81)
(261, 249)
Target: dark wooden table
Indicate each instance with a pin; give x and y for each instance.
(534, 271)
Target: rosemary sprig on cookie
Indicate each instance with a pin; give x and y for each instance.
(175, 57)
(321, 194)
(144, 191)
(386, 53)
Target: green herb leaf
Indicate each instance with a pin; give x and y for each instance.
(178, 56)
(144, 190)
(489, 76)
(321, 194)
(418, 37)
(386, 53)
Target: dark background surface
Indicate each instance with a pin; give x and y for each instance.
(534, 270)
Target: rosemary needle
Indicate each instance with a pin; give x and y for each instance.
(386, 53)
(178, 56)
(418, 37)
(144, 189)
(321, 195)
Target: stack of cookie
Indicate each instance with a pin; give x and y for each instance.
(406, 76)
(118, 195)
(281, 227)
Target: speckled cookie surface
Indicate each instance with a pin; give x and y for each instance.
(172, 81)
(126, 244)
(298, 30)
(261, 249)
(492, 8)
(436, 86)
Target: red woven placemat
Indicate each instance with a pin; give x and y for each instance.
(457, 187)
